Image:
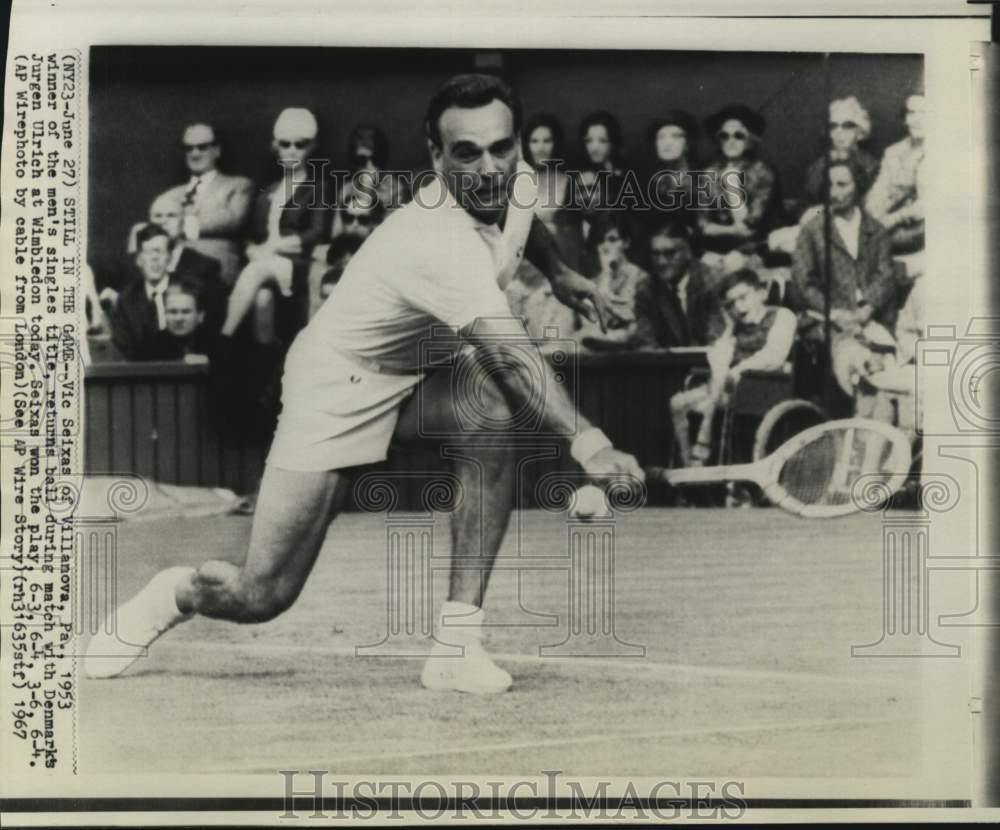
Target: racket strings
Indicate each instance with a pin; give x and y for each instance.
(824, 470)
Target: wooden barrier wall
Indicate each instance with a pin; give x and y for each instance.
(156, 420)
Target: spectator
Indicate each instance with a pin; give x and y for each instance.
(367, 157)
(341, 250)
(186, 264)
(185, 336)
(850, 127)
(598, 184)
(671, 188)
(329, 282)
(676, 305)
(289, 218)
(338, 254)
(358, 217)
(140, 313)
(756, 337)
(743, 190)
(862, 288)
(895, 198)
(610, 239)
(215, 206)
(544, 316)
(543, 150)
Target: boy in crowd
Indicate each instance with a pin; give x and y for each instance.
(756, 336)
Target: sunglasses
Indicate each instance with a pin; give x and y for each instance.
(843, 125)
(722, 135)
(301, 144)
(201, 148)
(354, 219)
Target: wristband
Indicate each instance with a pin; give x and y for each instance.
(587, 444)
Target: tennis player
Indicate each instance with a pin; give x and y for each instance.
(349, 388)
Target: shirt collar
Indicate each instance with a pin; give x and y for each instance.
(153, 290)
(204, 178)
(852, 219)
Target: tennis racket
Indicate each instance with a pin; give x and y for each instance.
(828, 470)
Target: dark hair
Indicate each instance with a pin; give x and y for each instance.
(341, 246)
(150, 231)
(469, 92)
(603, 118)
(374, 208)
(744, 276)
(861, 180)
(674, 118)
(675, 229)
(191, 289)
(550, 122)
(372, 137)
(605, 221)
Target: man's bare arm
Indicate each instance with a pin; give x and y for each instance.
(570, 288)
(505, 350)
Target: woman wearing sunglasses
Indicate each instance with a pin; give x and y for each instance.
(367, 158)
(289, 217)
(849, 127)
(744, 189)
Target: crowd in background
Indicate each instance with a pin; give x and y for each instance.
(221, 260)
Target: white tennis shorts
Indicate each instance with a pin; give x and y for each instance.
(335, 413)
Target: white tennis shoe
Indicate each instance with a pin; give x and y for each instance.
(458, 661)
(126, 635)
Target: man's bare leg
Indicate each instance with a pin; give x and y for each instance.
(294, 510)
(486, 468)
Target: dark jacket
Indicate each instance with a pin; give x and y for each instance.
(306, 214)
(871, 272)
(134, 326)
(204, 272)
(661, 321)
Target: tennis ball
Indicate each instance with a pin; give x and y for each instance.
(589, 503)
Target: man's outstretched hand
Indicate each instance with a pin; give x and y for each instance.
(610, 464)
(585, 298)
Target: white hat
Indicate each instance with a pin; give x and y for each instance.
(295, 123)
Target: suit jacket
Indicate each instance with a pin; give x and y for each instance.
(204, 272)
(871, 272)
(165, 346)
(134, 326)
(661, 322)
(222, 208)
(306, 214)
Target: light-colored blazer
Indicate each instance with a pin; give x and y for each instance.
(222, 208)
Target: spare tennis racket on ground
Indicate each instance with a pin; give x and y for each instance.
(825, 471)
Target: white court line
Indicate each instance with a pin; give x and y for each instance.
(623, 664)
(581, 739)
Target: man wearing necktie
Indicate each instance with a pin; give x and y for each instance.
(675, 306)
(140, 314)
(215, 206)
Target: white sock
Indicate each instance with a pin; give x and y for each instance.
(461, 619)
